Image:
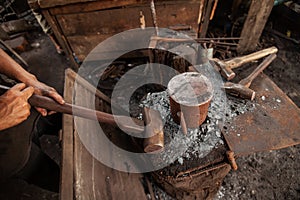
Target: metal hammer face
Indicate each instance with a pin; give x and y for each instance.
(224, 69)
(154, 135)
(241, 89)
(238, 90)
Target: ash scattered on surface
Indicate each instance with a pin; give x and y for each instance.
(178, 147)
(237, 106)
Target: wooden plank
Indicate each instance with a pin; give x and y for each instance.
(205, 22)
(82, 45)
(53, 3)
(89, 87)
(257, 17)
(108, 4)
(94, 180)
(83, 177)
(93, 6)
(118, 20)
(66, 187)
(59, 36)
(97, 181)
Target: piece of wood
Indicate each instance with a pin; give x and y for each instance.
(105, 4)
(123, 122)
(126, 19)
(53, 3)
(78, 38)
(263, 65)
(205, 21)
(93, 179)
(66, 182)
(84, 177)
(213, 10)
(74, 76)
(112, 48)
(239, 61)
(59, 36)
(202, 3)
(257, 17)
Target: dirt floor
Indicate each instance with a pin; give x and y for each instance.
(266, 175)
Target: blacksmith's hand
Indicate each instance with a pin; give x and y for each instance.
(14, 107)
(44, 90)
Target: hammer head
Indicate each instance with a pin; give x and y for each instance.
(224, 69)
(154, 135)
(239, 90)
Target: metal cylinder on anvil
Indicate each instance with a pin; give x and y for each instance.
(190, 96)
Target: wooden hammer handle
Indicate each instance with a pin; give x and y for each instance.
(265, 63)
(126, 123)
(238, 61)
(66, 108)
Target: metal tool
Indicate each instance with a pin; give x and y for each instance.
(152, 144)
(226, 67)
(126, 123)
(154, 141)
(242, 89)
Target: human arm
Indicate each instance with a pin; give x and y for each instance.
(12, 69)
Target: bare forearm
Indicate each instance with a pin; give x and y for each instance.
(12, 69)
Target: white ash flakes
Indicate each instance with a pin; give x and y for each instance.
(238, 106)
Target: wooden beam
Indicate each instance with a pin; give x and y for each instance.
(257, 17)
(66, 186)
(205, 22)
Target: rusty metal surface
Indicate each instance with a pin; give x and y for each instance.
(274, 123)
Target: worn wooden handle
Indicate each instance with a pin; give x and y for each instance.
(265, 63)
(125, 123)
(238, 61)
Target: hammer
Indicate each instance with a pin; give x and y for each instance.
(129, 124)
(226, 66)
(242, 89)
(154, 141)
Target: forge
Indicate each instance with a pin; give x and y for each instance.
(194, 160)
